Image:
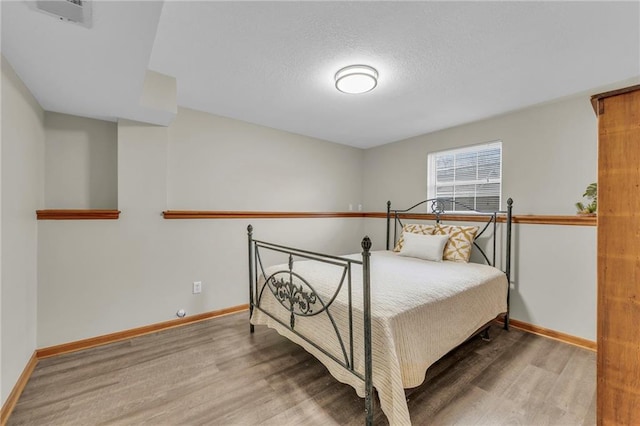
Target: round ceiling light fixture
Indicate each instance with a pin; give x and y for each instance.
(356, 79)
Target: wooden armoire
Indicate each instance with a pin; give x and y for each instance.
(618, 256)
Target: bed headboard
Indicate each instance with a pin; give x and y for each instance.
(436, 211)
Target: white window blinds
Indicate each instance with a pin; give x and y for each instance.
(470, 176)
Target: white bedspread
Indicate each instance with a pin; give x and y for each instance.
(420, 311)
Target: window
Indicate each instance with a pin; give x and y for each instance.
(471, 176)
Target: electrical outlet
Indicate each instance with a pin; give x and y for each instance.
(197, 287)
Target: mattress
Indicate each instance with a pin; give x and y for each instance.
(420, 311)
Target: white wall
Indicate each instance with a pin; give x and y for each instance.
(216, 163)
(554, 279)
(98, 277)
(22, 193)
(549, 157)
(81, 166)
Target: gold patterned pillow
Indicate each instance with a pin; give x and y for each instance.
(413, 229)
(460, 242)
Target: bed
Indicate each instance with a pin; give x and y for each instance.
(379, 319)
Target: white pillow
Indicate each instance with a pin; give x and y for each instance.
(427, 247)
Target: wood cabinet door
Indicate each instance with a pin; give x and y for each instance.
(619, 259)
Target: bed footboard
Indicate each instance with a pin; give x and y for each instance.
(301, 298)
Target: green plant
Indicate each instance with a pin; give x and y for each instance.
(591, 194)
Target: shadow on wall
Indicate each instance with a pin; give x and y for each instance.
(517, 303)
(81, 162)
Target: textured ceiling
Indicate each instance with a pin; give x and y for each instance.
(441, 64)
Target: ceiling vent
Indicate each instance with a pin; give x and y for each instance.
(76, 11)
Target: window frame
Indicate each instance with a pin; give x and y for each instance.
(475, 148)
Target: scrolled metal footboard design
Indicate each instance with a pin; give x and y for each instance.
(299, 301)
(299, 297)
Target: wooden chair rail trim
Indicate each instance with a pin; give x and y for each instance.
(576, 220)
(77, 214)
(525, 219)
(134, 332)
(552, 334)
(422, 216)
(201, 214)
(12, 400)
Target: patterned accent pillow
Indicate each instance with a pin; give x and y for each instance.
(460, 242)
(414, 228)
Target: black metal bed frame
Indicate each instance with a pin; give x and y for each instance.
(302, 299)
(437, 210)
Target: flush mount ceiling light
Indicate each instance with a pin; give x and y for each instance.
(356, 79)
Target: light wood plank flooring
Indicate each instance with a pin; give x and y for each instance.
(216, 373)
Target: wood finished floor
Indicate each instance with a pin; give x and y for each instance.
(216, 373)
